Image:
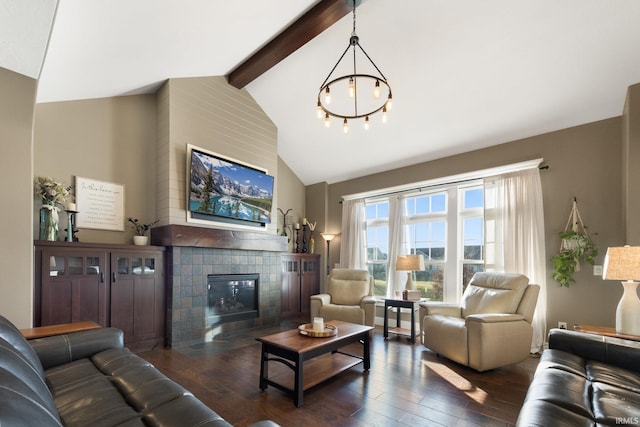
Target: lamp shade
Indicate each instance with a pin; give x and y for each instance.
(409, 262)
(328, 237)
(622, 263)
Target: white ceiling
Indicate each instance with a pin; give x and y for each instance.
(465, 74)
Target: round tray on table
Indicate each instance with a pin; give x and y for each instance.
(307, 330)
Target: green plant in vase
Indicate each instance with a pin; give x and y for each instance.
(52, 193)
(140, 230)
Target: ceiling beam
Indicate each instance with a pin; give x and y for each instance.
(315, 21)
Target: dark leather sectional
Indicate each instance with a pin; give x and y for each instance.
(584, 380)
(89, 379)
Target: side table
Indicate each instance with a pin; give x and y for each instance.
(399, 304)
(605, 331)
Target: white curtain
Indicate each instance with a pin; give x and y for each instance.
(395, 279)
(353, 241)
(514, 235)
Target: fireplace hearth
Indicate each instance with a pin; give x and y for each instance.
(232, 297)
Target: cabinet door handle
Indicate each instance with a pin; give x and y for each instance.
(113, 277)
(102, 277)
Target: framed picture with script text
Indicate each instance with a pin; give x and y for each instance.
(100, 204)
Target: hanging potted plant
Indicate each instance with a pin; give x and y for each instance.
(576, 246)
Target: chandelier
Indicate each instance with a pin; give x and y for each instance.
(364, 94)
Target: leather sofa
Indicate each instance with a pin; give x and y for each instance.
(584, 380)
(89, 379)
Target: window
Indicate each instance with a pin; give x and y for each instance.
(445, 226)
(377, 219)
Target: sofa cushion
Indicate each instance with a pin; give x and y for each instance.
(19, 398)
(346, 313)
(14, 337)
(21, 407)
(184, 411)
(493, 293)
(613, 375)
(85, 396)
(347, 291)
(611, 403)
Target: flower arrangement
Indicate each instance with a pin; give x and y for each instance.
(141, 229)
(51, 191)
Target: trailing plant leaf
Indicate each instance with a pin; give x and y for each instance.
(576, 247)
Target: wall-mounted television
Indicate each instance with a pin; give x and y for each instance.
(226, 190)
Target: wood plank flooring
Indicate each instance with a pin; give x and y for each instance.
(407, 385)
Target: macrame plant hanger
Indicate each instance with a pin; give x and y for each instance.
(577, 226)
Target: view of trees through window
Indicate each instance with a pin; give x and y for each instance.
(446, 227)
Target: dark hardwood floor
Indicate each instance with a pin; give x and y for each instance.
(407, 385)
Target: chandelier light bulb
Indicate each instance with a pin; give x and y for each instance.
(327, 120)
(366, 123)
(319, 110)
(389, 102)
(345, 126)
(384, 114)
(352, 88)
(376, 90)
(327, 95)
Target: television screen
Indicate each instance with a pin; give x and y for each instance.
(227, 189)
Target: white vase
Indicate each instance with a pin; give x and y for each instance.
(140, 240)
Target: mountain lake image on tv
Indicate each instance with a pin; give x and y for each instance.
(228, 190)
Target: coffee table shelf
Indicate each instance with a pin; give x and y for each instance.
(317, 370)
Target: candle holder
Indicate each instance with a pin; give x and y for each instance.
(305, 248)
(71, 226)
(297, 249)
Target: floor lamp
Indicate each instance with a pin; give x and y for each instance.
(328, 237)
(623, 263)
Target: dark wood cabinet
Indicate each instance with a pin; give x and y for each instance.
(300, 280)
(122, 286)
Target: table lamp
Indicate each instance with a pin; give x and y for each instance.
(409, 263)
(623, 263)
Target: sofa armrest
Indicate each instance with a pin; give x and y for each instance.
(614, 351)
(317, 301)
(440, 308)
(369, 299)
(59, 349)
(323, 299)
(494, 318)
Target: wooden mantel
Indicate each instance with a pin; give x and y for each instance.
(201, 237)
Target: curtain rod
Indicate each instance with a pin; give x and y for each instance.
(439, 184)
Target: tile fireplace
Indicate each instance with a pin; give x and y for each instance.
(194, 254)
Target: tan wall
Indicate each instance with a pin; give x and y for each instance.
(291, 195)
(208, 113)
(630, 171)
(584, 163)
(16, 251)
(107, 139)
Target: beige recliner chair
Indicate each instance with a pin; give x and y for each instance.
(490, 328)
(349, 298)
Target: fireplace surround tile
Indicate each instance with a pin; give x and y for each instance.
(187, 281)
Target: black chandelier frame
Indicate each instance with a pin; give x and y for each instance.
(354, 41)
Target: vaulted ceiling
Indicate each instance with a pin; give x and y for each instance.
(465, 74)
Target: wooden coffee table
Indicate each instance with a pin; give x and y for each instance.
(301, 354)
